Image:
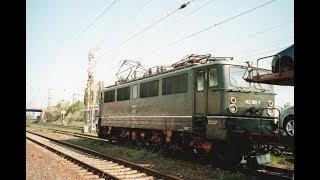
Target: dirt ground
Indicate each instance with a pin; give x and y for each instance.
(43, 164)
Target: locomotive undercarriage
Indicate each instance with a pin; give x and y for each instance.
(238, 145)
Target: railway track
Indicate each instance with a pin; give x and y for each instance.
(260, 170)
(104, 166)
(76, 134)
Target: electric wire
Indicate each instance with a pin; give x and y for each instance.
(206, 4)
(273, 43)
(259, 32)
(269, 51)
(148, 27)
(98, 17)
(271, 28)
(140, 10)
(212, 26)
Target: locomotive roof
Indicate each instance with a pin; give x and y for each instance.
(182, 68)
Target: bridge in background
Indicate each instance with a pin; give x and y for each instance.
(36, 110)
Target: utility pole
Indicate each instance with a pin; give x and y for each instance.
(90, 84)
(92, 107)
(88, 96)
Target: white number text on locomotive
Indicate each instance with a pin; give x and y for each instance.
(254, 102)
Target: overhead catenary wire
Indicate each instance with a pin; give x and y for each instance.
(259, 32)
(148, 27)
(206, 4)
(212, 26)
(75, 37)
(265, 52)
(92, 3)
(98, 17)
(140, 10)
(89, 7)
(271, 28)
(273, 43)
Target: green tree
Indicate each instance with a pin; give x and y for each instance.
(56, 114)
(75, 107)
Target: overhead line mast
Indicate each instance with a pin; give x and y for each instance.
(91, 86)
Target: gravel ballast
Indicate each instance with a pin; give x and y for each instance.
(44, 164)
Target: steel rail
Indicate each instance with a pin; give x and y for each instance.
(81, 163)
(134, 166)
(286, 173)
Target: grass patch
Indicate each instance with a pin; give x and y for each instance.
(141, 154)
(118, 151)
(100, 144)
(59, 125)
(278, 160)
(218, 174)
(171, 164)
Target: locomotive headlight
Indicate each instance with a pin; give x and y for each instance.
(270, 112)
(270, 103)
(233, 100)
(233, 108)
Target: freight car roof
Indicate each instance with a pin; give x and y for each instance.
(187, 67)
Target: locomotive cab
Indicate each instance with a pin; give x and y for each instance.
(225, 104)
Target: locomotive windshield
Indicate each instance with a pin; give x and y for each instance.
(236, 79)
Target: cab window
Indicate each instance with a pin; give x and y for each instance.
(200, 80)
(135, 91)
(213, 77)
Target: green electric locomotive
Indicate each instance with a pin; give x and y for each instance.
(201, 103)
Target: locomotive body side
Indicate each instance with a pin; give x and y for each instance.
(158, 112)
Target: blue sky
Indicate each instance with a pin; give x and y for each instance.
(57, 47)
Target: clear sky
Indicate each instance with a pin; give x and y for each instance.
(58, 42)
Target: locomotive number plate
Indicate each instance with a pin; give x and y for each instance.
(251, 101)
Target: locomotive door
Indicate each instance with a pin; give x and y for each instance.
(200, 102)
